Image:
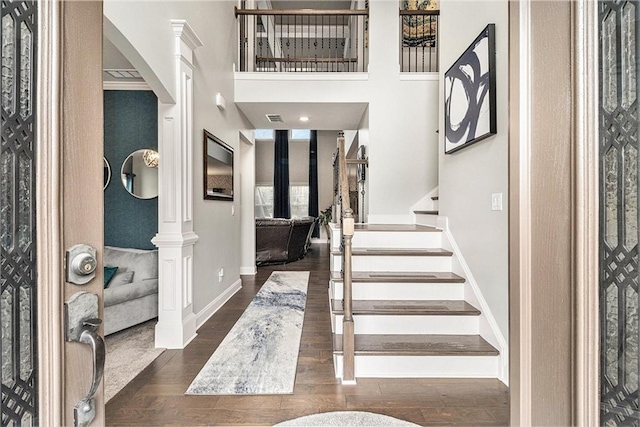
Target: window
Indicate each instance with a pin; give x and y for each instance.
(264, 134)
(300, 134)
(264, 201)
(298, 200)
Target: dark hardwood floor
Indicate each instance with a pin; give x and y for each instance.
(156, 396)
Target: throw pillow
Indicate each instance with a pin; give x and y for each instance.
(109, 272)
(122, 278)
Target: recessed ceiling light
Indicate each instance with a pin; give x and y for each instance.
(304, 119)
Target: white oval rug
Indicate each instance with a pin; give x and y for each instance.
(346, 418)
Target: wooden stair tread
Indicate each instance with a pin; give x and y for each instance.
(426, 212)
(435, 198)
(397, 227)
(418, 345)
(400, 277)
(408, 307)
(396, 252)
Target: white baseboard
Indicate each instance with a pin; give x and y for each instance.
(217, 303)
(318, 240)
(248, 271)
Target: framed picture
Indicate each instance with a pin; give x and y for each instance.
(470, 94)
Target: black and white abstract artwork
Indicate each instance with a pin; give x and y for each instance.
(470, 94)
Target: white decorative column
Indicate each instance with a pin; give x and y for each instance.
(175, 239)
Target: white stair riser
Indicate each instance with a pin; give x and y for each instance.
(394, 263)
(398, 239)
(422, 366)
(401, 291)
(407, 325)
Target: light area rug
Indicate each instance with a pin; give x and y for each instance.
(128, 353)
(259, 355)
(346, 418)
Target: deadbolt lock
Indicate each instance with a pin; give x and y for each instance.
(81, 264)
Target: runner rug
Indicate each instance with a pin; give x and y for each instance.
(259, 355)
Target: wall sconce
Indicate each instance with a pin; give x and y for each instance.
(221, 103)
(151, 158)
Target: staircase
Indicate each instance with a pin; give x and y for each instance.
(410, 314)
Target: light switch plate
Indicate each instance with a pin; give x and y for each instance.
(496, 202)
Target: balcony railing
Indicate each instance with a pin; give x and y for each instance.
(419, 41)
(303, 40)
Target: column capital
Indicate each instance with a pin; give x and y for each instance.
(184, 32)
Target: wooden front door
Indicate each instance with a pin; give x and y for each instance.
(52, 201)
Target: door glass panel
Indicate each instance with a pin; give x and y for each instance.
(618, 213)
(17, 216)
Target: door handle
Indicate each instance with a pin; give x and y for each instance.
(85, 410)
(81, 317)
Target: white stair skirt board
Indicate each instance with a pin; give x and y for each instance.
(405, 325)
(400, 291)
(489, 329)
(430, 220)
(395, 263)
(397, 239)
(422, 366)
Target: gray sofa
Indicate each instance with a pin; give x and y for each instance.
(132, 295)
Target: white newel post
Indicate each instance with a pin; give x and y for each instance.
(175, 239)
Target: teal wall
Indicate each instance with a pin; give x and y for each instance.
(130, 123)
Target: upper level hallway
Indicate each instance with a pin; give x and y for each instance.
(156, 396)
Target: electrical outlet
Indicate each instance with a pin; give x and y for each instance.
(233, 210)
(496, 202)
(220, 275)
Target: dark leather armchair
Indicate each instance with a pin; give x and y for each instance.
(282, 240)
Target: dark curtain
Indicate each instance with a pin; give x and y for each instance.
(313, 179)
(281, 208)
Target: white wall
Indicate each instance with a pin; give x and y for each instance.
(363, 140)
(247, 210)
(469, 176)
(403, 116)
(264, 162)
(327, 143)
(149, 30)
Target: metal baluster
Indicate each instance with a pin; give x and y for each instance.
(423, 40)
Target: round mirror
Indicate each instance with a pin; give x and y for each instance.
(139, 174)
(107, 173)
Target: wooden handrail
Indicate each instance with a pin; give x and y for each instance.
(419, 12)
(347, 228)
(293, 59)
(308, 12)
(357, 162)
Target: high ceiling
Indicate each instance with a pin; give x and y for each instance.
(322, 116)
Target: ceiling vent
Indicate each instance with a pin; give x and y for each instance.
(123, 74)
(275, 118)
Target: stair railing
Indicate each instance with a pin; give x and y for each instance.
(303, 40)
(347, 228)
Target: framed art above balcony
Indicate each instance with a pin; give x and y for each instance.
(470, 94)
